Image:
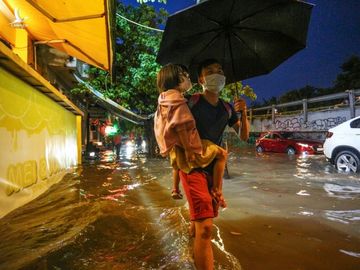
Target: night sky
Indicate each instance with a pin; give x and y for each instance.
(334, 36)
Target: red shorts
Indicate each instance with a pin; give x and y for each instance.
(196, 189)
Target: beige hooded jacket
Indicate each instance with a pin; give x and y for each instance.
(173, 115)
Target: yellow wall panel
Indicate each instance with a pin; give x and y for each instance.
(38, 142)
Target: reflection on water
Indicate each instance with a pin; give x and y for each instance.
(350, 253)
(303, 192)
(231, 260)
(284, 212)
(342, 191)
(343, 216)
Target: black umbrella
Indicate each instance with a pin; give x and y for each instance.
(248, 37)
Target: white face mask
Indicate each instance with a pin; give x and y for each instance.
(214, 83)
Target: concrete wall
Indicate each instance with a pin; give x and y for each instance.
(38, 142)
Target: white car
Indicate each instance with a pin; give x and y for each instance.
(342, 146)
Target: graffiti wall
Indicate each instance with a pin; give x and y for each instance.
(38, 142)
(317, 121)
(298, 123)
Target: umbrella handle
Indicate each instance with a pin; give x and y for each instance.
(239, 115)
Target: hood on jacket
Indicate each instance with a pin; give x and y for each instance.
(171, 98)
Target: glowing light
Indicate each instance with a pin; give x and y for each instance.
(110, 130)
(303, 192)
(130, 143)
(99, 143)
(18, 22)
(303, 144)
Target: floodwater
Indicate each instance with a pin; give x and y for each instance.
(291, 213)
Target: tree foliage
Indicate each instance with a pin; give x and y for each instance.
(349, 78)
(299, 94)
(136, 67)
(136, 49)
(134, 86)
(237, 89)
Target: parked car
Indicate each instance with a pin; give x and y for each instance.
(286, 142)
(342, 146)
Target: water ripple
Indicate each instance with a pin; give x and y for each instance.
(341, 191)
(345, 217)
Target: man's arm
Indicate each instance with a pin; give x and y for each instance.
(241, 127)
(237, 126)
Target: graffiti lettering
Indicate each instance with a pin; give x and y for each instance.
(25, 174)
(42, 169)
(20, 176)
(297, 123)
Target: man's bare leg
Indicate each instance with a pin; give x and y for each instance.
(203, 253)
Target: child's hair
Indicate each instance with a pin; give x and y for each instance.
(206, 63)
(169, 76)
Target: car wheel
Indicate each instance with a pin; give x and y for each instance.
(290, 151)
(347, 161)
(259, 149)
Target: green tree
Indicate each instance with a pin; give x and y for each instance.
(134, 85)
(233, 89)
(299, 94)
(349, 78)
(136, 67)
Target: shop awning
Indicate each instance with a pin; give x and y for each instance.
(80, 28)
(21, 70)
(114, 107)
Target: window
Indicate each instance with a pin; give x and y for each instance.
(355, 123)
(276, 136)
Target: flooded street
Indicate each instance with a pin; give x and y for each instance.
(283, 212)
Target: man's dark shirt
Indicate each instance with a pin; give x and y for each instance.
(211, 121)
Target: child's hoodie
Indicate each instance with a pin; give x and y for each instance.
(173, 115)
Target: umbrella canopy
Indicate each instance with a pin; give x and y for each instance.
(248, 37)
(81, 29)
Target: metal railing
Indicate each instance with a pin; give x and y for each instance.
(352, 96)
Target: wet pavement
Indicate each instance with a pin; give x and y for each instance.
(284, 212)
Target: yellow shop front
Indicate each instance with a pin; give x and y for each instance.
(40, 128)
(39, 135)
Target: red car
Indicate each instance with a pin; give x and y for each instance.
(285, 142)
